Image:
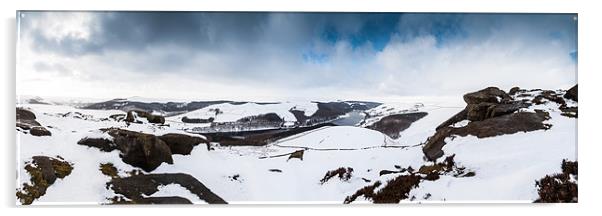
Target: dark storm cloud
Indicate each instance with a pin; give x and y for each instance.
(400, 52)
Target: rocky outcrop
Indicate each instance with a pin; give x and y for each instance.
(26, 121)
(137, 188)
(44, 171)
(491, 112)
(394, 124)
(561, 187)
(571, 93)
(142, 150)
(487, 95)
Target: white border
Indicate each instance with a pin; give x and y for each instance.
(589, 143)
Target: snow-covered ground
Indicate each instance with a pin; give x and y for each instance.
(506, 166)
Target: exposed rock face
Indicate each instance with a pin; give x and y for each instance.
(43, 171)
(141, 150)
(394, 124)
(132, 114)
(491, 112)
(137, 149)
(181, 143)
(26, 120)
(485, 110)
(136, 187)
(571, 93)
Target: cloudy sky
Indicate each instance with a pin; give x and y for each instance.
(266, 56)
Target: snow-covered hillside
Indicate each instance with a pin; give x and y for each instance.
(293, 165)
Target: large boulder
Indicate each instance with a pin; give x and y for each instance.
(24, 115)
(571, 93)
(26, 120)
(490, 95)
(141, 150)
(181, 143)
(39, 131)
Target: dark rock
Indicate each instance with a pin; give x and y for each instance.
(45, 166)
(137, 149)
(181, 143)
(343, 173)
(197, 120)
(482, 111)
(396, 189)
(571, 93)
(296, 154)
(156, 119)
(136, 187)
(488, 95)
(549, 95)
(503, 109)
(513, 90)
(478, 112)
(23, 114)
(141, 150)
(26, 120)
(394, 124)
(103, 144)
(387, 172)
(39, 131)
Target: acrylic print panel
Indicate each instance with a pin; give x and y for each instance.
(272, 107)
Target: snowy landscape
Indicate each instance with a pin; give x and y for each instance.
(113, 154)
(156, 107)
